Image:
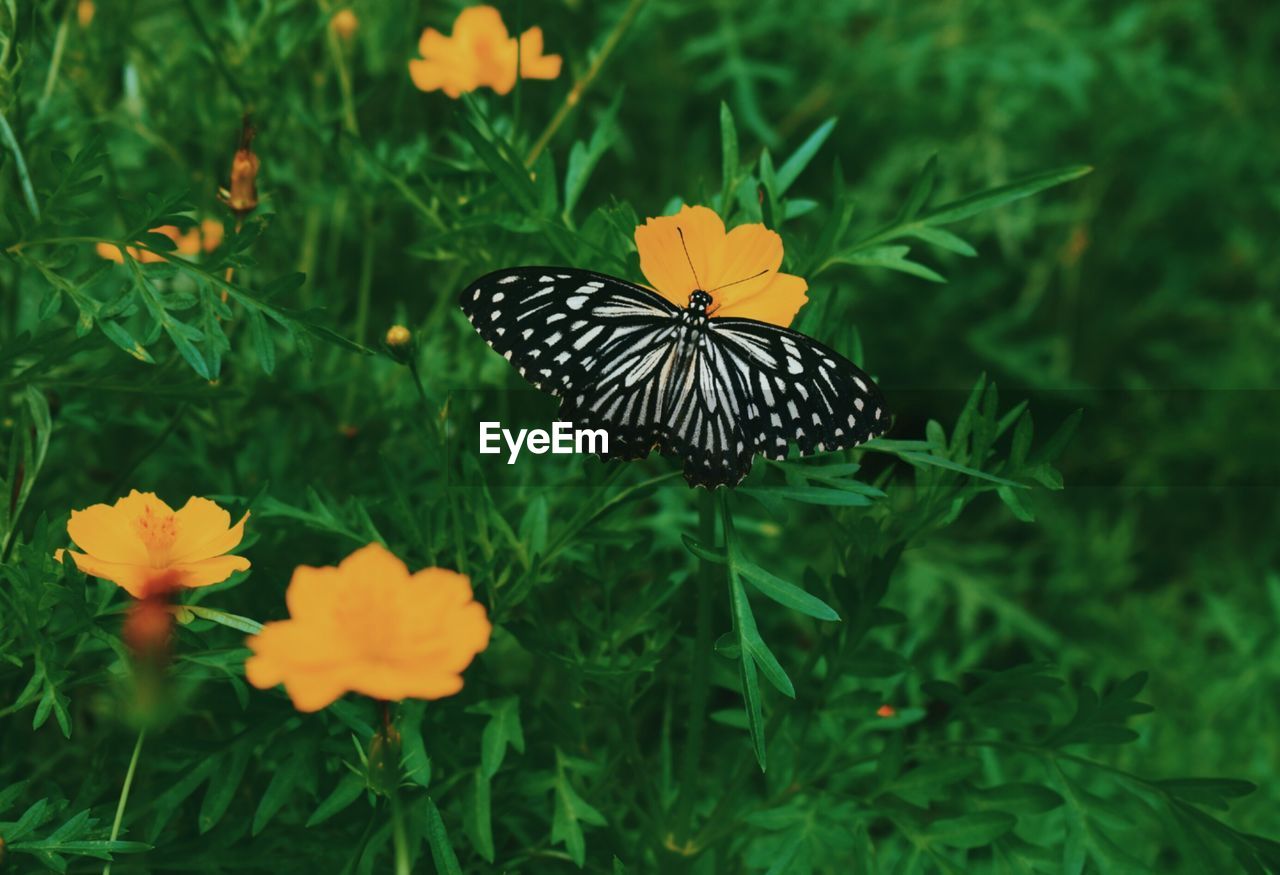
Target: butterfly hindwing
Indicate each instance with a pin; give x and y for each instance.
(802, 392)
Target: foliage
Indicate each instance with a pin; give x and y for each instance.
(927, 655)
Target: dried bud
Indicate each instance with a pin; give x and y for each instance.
(242, 196)
(344, 23)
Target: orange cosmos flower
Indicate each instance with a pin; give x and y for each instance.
(690, 250)
(369, 626)
(150, 549)
(204, 238)
(480, 53)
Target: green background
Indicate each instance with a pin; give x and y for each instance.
(1143, 293)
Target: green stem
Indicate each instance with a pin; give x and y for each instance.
(700, 676)
(24, 177)
(124, 793)
(59, 46)
(574, 97)
(398, 835)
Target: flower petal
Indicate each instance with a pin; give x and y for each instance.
(534, 64)
(108, 532)
(777, 303)
(665, 258)
(751, 256)
(207, 572)
(134, 579)
(204, 531)
(394, 682)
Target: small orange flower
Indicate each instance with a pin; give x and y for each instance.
(344, 23)
(739, 269)
(205, 238)
(150, 549)
(85, 11)
(886, 710)
(369, 626)
(480, 53)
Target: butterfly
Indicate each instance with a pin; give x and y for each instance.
(714, 392)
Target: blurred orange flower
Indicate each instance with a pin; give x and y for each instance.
(150, 549)
(480, 53)
(371, 627)
(739, 269)
(203, 238)
(84, 12)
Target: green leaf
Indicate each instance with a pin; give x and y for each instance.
(820, 495)
(1002, 194)
(729, 159)
(970, 830)
(785, 593)
(891, 257)
(222, 786)
(479, 822)
(442, 853)
(514, 178)
(800, 158)
(571, 810)
(283, 782)
(1019, 798)
(347, 791)
(503, 729)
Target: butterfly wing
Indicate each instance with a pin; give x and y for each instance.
(600, 343)
(800, 391)
(563, 328)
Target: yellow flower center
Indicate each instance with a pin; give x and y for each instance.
(158, 534)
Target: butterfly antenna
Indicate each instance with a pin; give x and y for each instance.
(743, 280)
(688, 258)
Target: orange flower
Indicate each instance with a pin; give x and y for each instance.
(205, 238)
(886, 710)
(344, 23)
(738, 269)
(371, 627)
(84, 12)
(480, 53)
(150, 549)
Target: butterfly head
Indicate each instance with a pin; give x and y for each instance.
(699, 300)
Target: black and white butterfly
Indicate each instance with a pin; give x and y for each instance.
(713, 391)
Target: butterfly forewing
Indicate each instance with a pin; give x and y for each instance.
(562, 327)
(713, 392)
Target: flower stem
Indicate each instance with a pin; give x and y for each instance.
(124, 793)
(398, 835)
(574, 97)
(28, 191)
(700, 677)
(59, 46)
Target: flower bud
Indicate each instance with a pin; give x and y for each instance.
(242, 196)
(398, 335)
(384, 760)
(344, 23)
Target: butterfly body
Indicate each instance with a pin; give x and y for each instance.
(713, 391)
